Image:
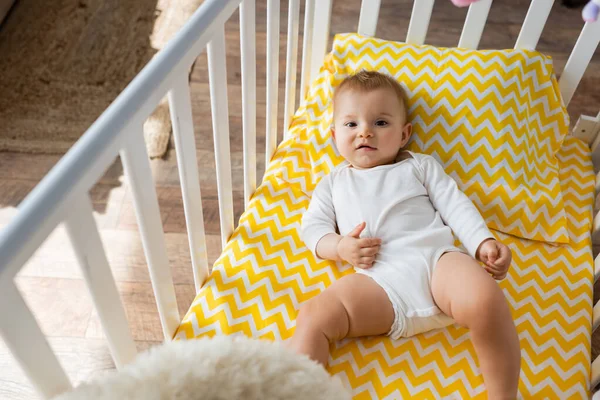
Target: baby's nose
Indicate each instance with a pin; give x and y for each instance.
(365, 133)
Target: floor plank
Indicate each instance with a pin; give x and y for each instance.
(62, 307)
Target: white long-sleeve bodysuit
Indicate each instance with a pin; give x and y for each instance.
(411, 206)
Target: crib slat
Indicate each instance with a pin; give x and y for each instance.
(217, 74)
(27, 343)
(534, 24)
(291, 61)
(596, 268)
(595, 373)
(474, 24)
(320, 39)
(84, 235)
(419, 21)
(369, 14)
(137, 168)
(596, 224)
(187, 163)
(248, 55)
(272, 77)
(579, 60)
(307, 34)
(595, 148)
(596, 316)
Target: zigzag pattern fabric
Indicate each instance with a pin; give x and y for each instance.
(266, 272)
(493, 118)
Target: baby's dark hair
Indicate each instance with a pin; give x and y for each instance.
(367, 81)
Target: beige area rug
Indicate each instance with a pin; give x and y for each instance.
(62, 62)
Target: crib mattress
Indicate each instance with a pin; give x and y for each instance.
(265, 273)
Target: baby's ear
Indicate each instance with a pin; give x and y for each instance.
(406, 132)
(332, 131)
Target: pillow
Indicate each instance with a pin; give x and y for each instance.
(493, 118)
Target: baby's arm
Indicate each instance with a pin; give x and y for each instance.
(320, 236)
(461, 215)
(318, 223)
(327, 247)
(455, 208)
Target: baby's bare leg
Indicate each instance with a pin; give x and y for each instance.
(351, 307)
(463, 290)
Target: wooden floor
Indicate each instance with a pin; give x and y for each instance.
(51, 281)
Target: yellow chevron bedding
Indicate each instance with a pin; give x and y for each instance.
(493, 118)
(265, 272)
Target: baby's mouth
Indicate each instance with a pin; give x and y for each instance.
(365, 147)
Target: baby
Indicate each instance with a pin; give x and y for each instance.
(392, 213)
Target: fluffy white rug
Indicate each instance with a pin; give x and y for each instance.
(221, 368)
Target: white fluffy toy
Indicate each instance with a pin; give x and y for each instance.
(219, 368)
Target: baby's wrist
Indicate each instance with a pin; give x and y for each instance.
(337, 248)
(477, 253)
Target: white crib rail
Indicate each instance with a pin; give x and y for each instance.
(84, 235)
(248, 57)
(419, 21)
(185, 148)
(474, 24)
(137, 169)
(217, 72)
(27, 343)
(290, 63)
(579, 60)
(272, 77)
(307, 34)
(320, 35)
(369, 14)
(534, 23)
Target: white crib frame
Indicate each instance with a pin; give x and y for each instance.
(62, 196)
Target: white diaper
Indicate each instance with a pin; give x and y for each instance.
(407, 282)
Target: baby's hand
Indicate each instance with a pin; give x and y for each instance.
(358, 252)
(496, 257)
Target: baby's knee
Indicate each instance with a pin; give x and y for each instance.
(486, 306)
(324, 315)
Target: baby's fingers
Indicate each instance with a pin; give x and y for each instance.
(493, 273)
(489, 266)
(368, 261)
(369, 251)
(505, 257)
(499, 277)
(497, 274)
(369, 242)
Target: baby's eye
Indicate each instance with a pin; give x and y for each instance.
(381, 123)
(350, 124)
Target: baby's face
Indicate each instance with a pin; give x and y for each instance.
(369, 128)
